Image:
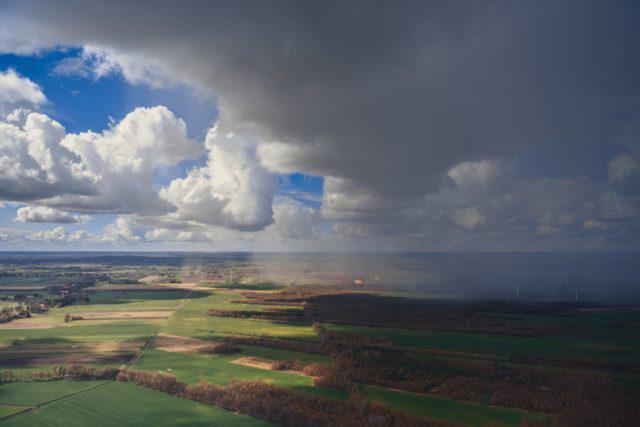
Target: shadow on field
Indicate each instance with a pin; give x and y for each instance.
(126, 297)
(42, 340)
(63, 359)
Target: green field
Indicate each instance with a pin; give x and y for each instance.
(278, 354)
(616, 315)
(217, 369)
(469, 413)
(129, 301)
(109, 404)
(586, 349)
(191, 321)
(59, 342)
(98, 330)
(21, 281)
(201, 300)
(32, 393)
(85, 331)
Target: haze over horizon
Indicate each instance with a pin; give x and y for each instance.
(324, 126)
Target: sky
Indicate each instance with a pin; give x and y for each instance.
(329, 126)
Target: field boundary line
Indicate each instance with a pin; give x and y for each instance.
(153, 338)
(26, 409)
(36, 407)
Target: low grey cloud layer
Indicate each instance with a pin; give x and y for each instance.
(437, 124)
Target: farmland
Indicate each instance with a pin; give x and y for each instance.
(587, 349)
(437, 359)
(106, 404)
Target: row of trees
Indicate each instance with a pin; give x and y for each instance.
(273, 315)
(311, 369)
(161, 382)
(223, 348)
(76, 372)
(35, 305)
(299, 346)
(281, 405)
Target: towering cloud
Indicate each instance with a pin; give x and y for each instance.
(232, 190)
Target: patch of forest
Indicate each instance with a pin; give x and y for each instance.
(362, 309)
(576, 398)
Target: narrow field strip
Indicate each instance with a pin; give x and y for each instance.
(438, 407)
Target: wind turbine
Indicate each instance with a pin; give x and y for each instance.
(579, 280)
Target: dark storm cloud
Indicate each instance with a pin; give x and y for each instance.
(383, 97)
(403, 88)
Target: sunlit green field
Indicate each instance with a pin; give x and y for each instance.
(52, 341)
(216, 368)
(34, 393)
(191, 321)
(81, 403)
(278, 354)
(128, 301)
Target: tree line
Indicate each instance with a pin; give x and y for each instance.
(72, 372)
(281, 405)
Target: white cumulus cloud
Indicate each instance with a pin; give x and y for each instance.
(110, 171)
(15, 89)
(233, 190)
(46, 214)
(59, 234)
(34, 164)
(122, 229)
